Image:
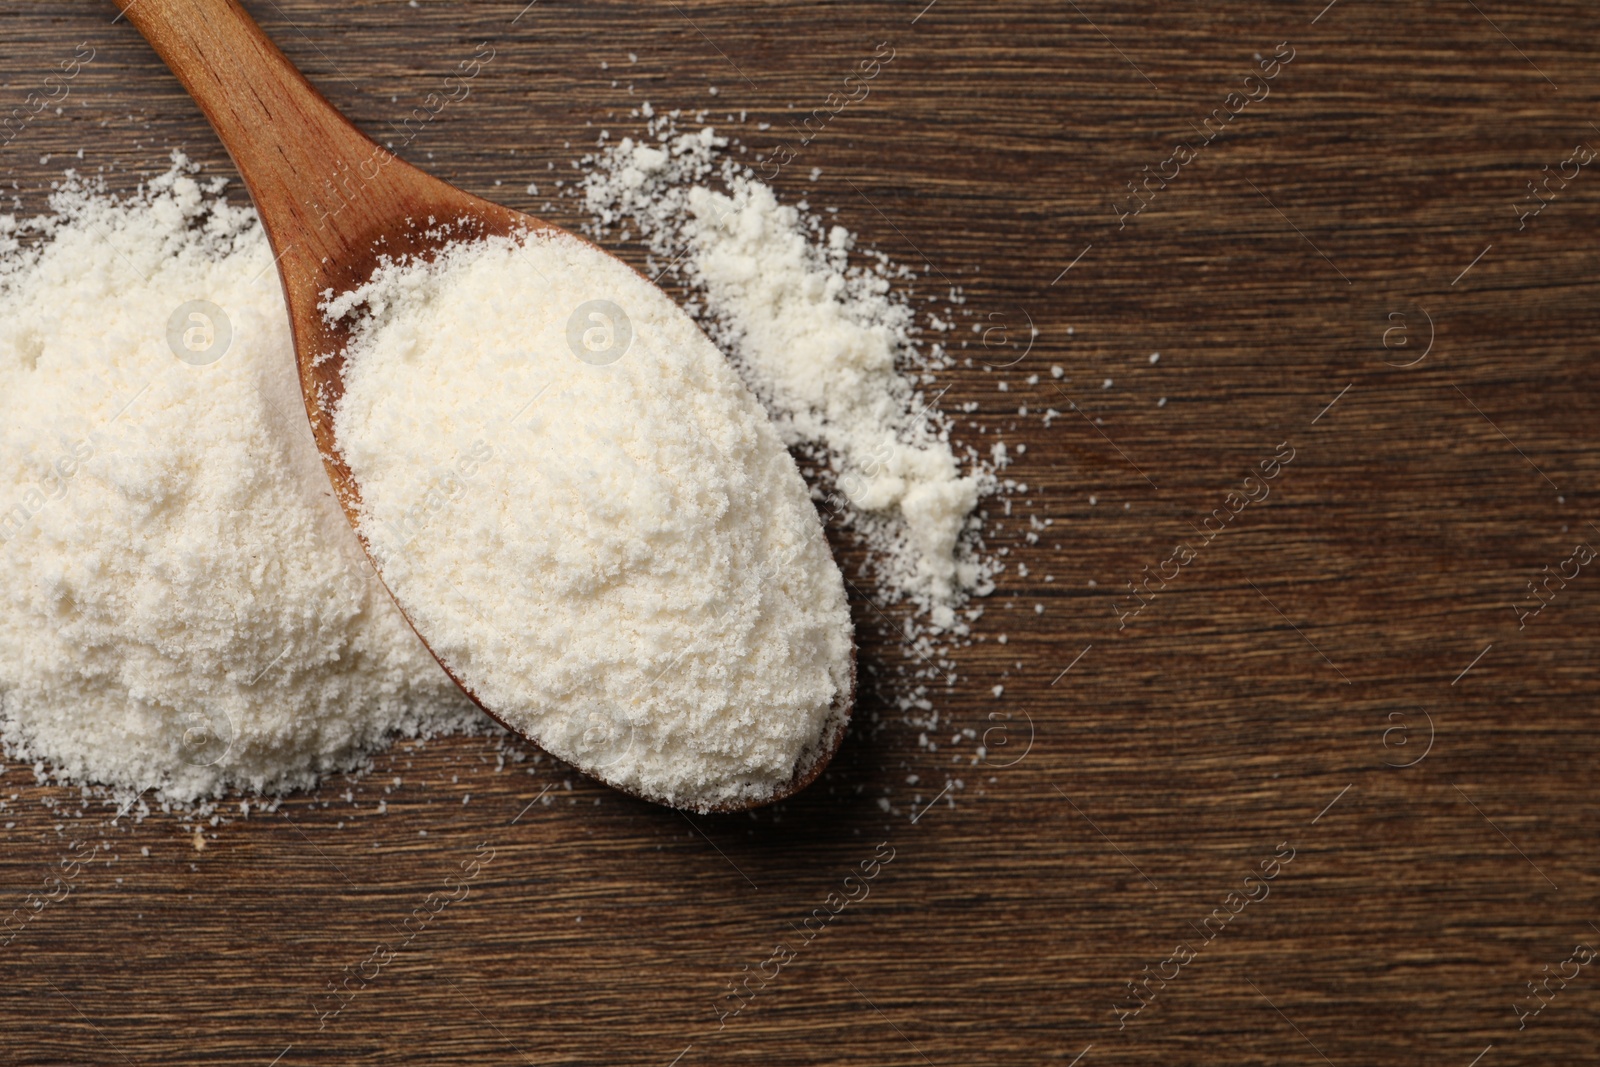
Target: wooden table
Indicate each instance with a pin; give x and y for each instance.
(1340, 676)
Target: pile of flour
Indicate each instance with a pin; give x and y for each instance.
(830, 348)
(592, 521)
(182, 604)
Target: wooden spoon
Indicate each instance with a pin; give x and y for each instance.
(332, 201)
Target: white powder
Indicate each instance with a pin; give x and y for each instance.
(592, 521)
(182, 606)
(830, 350)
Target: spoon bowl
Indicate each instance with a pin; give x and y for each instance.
(334, 205)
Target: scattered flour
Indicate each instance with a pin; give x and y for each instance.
(592, 521)
(182, 606)
(829, 348)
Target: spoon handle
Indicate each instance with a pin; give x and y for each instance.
(313, 175)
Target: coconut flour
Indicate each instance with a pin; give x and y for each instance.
(592, 521)
(183, 609)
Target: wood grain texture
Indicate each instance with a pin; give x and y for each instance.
(1242, 713)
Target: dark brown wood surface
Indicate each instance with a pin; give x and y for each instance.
(1256, 705)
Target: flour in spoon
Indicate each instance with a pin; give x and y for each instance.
(592, 520)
